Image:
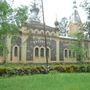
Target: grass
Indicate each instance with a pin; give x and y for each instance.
(52, 81)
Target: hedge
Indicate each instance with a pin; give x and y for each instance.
(43, 69)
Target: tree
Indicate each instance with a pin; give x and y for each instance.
(10, 22)
(78, 46)
(63, 26)
(86, 5)
(82, 34)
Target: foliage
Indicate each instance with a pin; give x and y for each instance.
(63, 26)
(21, 15)
(86, 6)
(78, 46)
(9, 70)
(80, 51)
(71, 68)
(10, 22)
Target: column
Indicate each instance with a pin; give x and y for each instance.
(8, 59)
(57, 50)
(23, 49)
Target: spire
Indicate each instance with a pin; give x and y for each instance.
(74, 5)
(56, 23)
(34, 12)
(75, 18)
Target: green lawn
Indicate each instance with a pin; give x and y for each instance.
(57, 81)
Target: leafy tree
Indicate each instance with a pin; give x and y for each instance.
(63, 26)
(86, 5)
(78, 46)
(10, 22)
(82, 34)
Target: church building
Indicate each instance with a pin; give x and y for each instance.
(35, 42)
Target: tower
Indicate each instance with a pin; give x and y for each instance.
(75, 20)
(34, 12)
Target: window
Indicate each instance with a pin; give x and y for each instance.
(66, 53)
(73, 54)
(36, 52)
(47, 33)
(16, 51)
(69, 53)
(42, 52)
(47, 52)
(42, 32)
(86, 54)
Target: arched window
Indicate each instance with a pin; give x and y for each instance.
(66, 53)
(36, 52)
(47, 52)
(42, 32)
(47, 33)
(73, 54)
(42, 52)
(36, 31)
(69, 53)
(15, 51)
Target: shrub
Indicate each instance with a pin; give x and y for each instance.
(41, 69)
(88, 68)
(82, 69)
(10, 71)
(60, 69)
(27, 71)
(35, 71)
(23, 71)
(72, 69)
(3, 71)
(44, 69)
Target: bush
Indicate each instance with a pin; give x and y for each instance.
(70, 68)
(11, 72)
(35, 71)
(88, 68)
(44, 69)
(82, 69)
(41, 69)
(60, 69)
(3, 71)
(23, 71)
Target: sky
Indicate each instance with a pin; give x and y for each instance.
(55, 9)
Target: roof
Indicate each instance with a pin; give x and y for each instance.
(39, 26)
